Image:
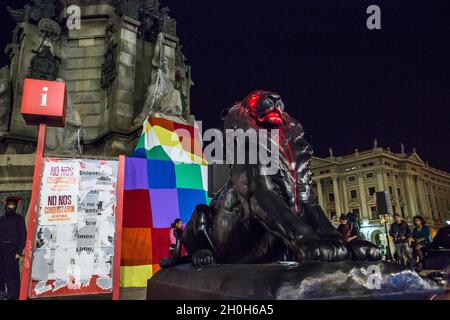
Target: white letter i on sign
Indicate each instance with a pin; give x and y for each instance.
(44, 97)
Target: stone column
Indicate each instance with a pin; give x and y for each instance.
(410, 196)
(344, 193)
(362, 197)
(122, 96)
(396, 186)
(402, 183)
(380, 180)
(320, 194)
(423, 198)
(428, 197)
(433, 198)
(337, 197)
(385, 181)
(414, 194)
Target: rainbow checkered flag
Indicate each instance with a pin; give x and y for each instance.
(165, 178)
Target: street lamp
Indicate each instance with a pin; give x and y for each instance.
(383, 206)
(384, 220)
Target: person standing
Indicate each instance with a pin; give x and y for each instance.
(401, 233)
(421, 237)
(354, 219)
(347, 229)
(175, 233)
(13, 236)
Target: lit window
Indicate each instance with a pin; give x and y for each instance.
(331, 197)
(373, 212)
(369, 175)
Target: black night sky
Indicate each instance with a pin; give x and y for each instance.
(345, 83)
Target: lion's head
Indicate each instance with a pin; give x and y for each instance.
(265, 107)
(261, 110)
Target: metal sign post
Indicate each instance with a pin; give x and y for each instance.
(43, 103)
(32, 212)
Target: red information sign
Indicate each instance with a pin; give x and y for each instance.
(44, 102)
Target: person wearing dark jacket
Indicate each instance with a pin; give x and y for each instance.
(347, 229)
(401, 233)
(421, 237)
(13, 236)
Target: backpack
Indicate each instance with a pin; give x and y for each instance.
(354, 220)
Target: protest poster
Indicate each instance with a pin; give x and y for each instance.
(59, 190)
(74, 252)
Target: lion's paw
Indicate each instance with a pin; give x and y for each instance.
(364, 250)
(307, 251)
(203, 257)
(332, 251)
(324, 250)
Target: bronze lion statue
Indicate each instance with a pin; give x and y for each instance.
(261, 218)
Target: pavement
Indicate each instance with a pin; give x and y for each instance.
(133, 293)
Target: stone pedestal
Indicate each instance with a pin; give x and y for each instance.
(290, 281)
(106, 65)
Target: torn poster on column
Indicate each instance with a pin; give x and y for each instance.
(74, 249)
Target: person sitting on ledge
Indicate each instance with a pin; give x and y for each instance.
(421, 237)
(347, 229)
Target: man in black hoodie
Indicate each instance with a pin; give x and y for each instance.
(401, 233)
(13, 236)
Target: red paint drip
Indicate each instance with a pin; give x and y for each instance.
(292, 169)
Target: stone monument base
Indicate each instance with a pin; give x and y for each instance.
(290, 281)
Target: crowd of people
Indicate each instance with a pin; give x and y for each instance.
(409, 245)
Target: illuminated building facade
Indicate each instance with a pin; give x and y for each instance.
(348, 183)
